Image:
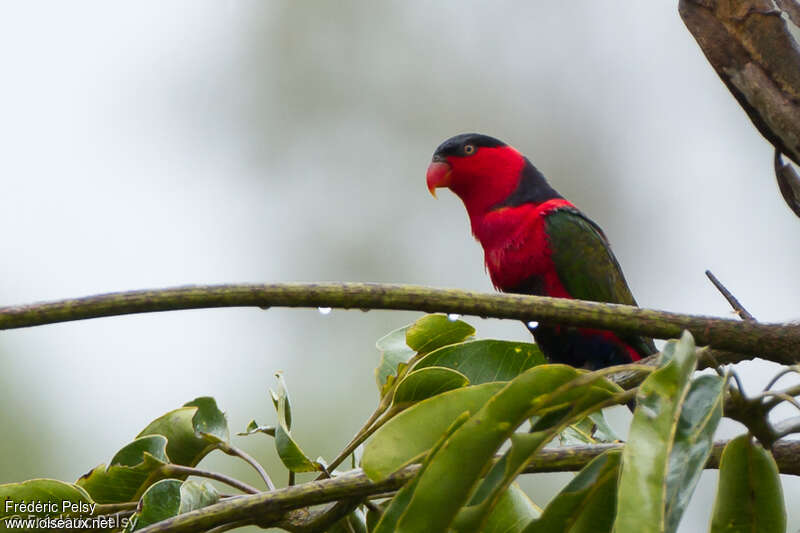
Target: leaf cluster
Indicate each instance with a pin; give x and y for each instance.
(457, 421)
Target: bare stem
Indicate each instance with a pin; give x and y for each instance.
(179, 470)
(238, 452)
(111, 508)
(362, 435)
(790, 391)
(375, 421)
(743, 313)
(779, 375)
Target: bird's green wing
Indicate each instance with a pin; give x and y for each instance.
(583, 259)
(586, 265)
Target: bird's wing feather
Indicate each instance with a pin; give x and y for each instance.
(583, 259)
(586, 266)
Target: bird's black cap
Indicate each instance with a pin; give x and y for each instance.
(454, 146)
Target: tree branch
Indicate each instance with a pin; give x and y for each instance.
(776, 342)
(753, 50)
(743, 313)
(754, 53)
(573, 458)
(354, 484)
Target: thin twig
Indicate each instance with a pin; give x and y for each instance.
(780, 374)
(385, 411)
(789, 391)
(738, 381)
(737, 306)
(238, 452)
(173, 469)
(371, 506)
(362, 434)
(777, 394)
(111, 508)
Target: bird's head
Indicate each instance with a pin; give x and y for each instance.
(481, 170)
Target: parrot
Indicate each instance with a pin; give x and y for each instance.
(537, 242)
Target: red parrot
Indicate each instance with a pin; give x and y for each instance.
(536, 242)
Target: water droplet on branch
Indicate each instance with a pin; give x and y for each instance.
(324, 310)
(452, 317)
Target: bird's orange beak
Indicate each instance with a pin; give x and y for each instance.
(439, 172)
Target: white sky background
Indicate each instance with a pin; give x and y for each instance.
(149, 145)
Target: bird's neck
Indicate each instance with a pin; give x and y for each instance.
(515, 187)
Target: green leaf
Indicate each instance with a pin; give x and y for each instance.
(514, 510)
(209, 421)
(398, 507)
(492, 488)
(701, 412)
(486, 360)
(253, 427)
(161, 501)
(593, 429)
(434, 331)
(563, 405)
(56, 498)
(669, 441)
(394, 352)
(446, 484)
(132, 454)
(427, 382)
(426, 334)
(183, 436)
(289, 451)
(192, 431)
(171, 497)
(749, 496)
(414, 431)
(603, 432)
(130, 472)
(586, 504)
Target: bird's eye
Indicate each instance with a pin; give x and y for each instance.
(469, 149)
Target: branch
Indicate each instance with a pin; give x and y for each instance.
(573, 458)
(743, 313)
(750, 46)
(706, 358)
(776, 342)
(354, 484)
(753, 50)
(788, 183)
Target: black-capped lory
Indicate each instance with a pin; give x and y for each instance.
(536, 242)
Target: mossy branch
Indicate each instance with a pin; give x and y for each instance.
(776, 342)
(269, 507)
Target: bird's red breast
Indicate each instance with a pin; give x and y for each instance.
(516, 247)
